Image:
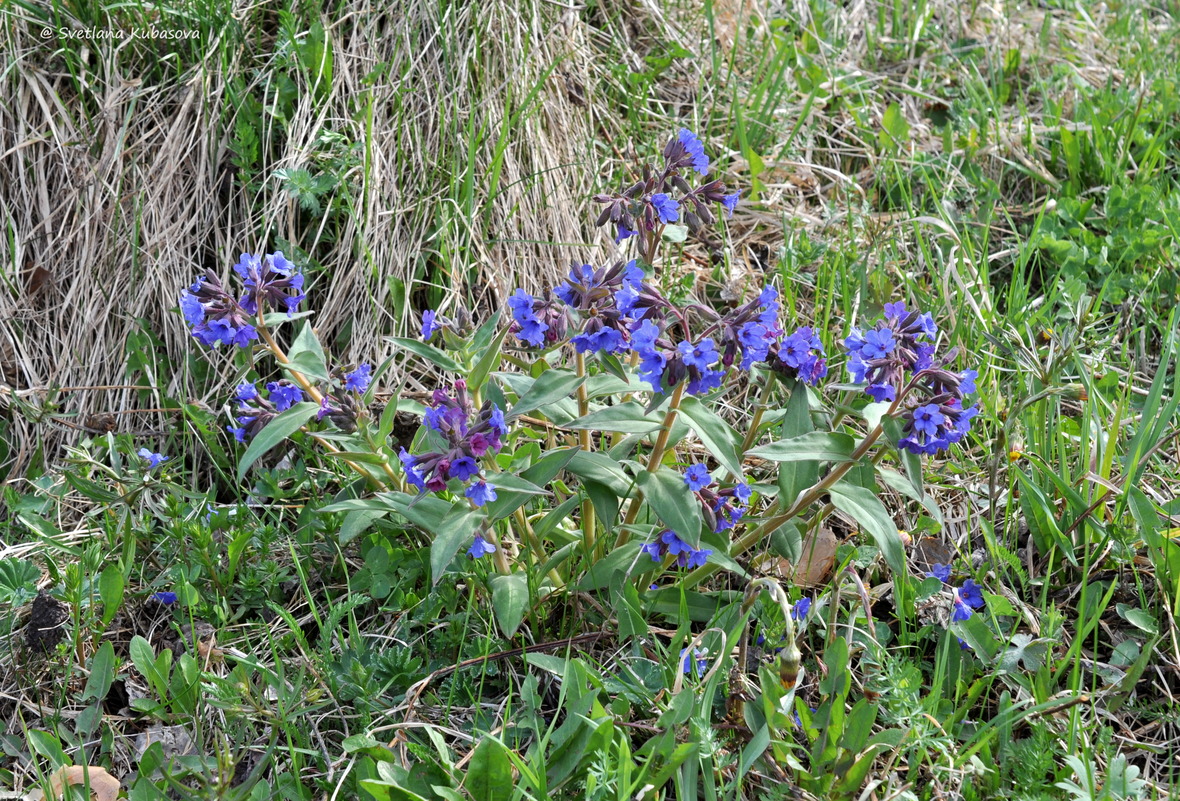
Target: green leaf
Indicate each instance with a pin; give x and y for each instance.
(427, 352)
(277, 430)
(144, 659)
(275, 319)
(866, 509)
(675, 233)
(489, 360)
(625, 418)
(895, 131)
(1139, 618)
(510, 600)
(818, 446)
(512, 492)
(600, 468)
(110, 590)
(358, 522)
(489, 774)
(671, 499)
(1023, 649)
(102, 673)
(552, 386)
(716, 435)
(457, 530)
(307, 355)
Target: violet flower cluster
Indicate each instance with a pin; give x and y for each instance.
(649, 204)
(217, 317)
(897, 356)
(670, 544)
(722, 508)
(255, 411)
(466, 441)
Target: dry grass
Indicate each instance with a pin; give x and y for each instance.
(479, 142)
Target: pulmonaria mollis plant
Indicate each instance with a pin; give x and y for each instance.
(598, 433)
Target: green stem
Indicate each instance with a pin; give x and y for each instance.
(805, 499)
(653, 461)
(316, 396)
(584, 440)
(763, 397)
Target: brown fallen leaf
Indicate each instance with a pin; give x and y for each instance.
(815, 564)
(103, 786)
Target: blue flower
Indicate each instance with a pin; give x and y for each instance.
(695, 150)
(971, 594)
(463, 468)
(622, 232)
(694, 559)
(480, 492)
(358, 380)
(878, 343)
(730, 202)
(428, 325)
(480, 548)
(742, 492)
(604, 340)
(410, 465)
(653, 550)
(693, 661)
(928, 419)
(667, 208)
(962, 611)
(941, 572)
(967, 385)
(529, 328)
(284, 394)
(246, 392)
(801, 608)
(697, 477)
(166, 598)
(154, 459)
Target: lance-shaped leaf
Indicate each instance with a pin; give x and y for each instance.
(277, 430)
(818, 446)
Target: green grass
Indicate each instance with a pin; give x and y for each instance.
(1013, 168)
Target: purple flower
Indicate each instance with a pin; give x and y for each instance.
(480, 548)
(877, 344)
(666, 208)
(481, 492)
(358, 380)
(269, 281)
(622, 232)
(801, 608)
(941, 572)
(685, 150)
(428, 325)
(154, 459)
(730, 202)
(697, 477)
(215, 316)
(694, 152)
(469, 434)
(166, 598)
(693, 662)
(971, 594)
(284, 394)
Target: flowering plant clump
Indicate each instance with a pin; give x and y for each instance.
(553, 442)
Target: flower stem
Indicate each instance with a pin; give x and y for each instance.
(309, 388)
(752, 434)
(584, 440)
(805, 499)
(653, 461)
